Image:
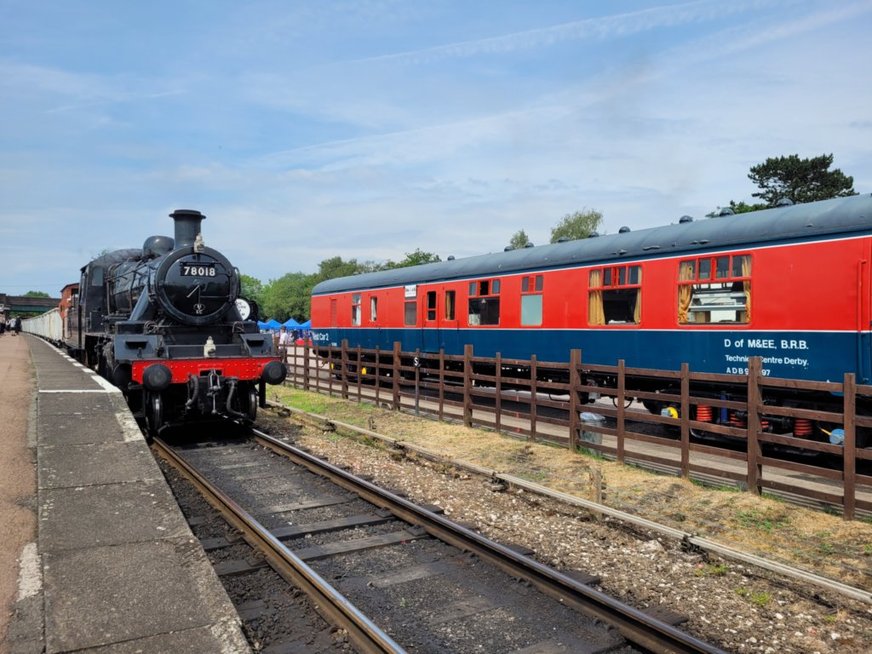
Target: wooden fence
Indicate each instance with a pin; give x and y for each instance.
(537, 406)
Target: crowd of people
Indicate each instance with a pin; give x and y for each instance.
(11, 325)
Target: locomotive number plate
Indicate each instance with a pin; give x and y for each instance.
(197, 270)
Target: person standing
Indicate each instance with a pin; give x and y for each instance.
(17, 325)
(284, 342)
(2, 322)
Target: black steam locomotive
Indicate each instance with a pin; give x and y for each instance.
(167, 326)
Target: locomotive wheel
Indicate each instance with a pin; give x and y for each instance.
(252, 404)
(154, 419)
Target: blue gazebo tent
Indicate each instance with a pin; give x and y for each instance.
(273, 325)
(290, 323)
(306, 325)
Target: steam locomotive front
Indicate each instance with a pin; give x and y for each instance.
(186, 349)
(194, 284)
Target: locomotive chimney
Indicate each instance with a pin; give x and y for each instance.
(187, 226)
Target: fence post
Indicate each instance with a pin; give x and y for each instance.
(395, 375)
(849, 451)
(755, 468)
(467, 385)
(359, 375)
(533, 375)
(377, 373)
(498, 400)
(574, 383)
(417, 363)
(622, 395)
(343, 354)
(441, 383)
(331, 369)
(306, 346)
(685, 420)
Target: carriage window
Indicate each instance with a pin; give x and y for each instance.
(431, 305)
(355, 309)
(449, 305)
(531, 301)
(484, 303)
(373, 309)
(615, 295)
(411, 313)
(724, 297)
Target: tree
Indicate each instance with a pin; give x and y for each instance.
(580, 224)
(288, 296)
(519, 240)
(744, 207)
(800, 180)
(415, 258)
(252, 288)
(336, 267)
(36, 294)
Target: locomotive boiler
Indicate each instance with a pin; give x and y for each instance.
(165, 324)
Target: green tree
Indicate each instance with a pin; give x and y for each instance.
(36, 294)
(800, 180)
(519, 240)
(580, 224)
(288, 297)
(337, 267)
(415, 258)
(744, 207)
(252, 288)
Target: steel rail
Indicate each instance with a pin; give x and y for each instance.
(636, 626)
(332, 605)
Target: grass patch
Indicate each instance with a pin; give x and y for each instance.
(712, 570)
(309, 402)
(758, 598)
(756, 519)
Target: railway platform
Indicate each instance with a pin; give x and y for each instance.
(111, 565)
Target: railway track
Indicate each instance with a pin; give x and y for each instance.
(396, 576)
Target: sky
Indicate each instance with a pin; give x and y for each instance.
(367, 129)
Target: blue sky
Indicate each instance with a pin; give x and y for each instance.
(305, 130)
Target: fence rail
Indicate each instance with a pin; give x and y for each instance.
(546, 401)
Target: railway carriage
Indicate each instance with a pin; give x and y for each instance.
(790, 284)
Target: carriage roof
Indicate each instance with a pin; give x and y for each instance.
(794, 223)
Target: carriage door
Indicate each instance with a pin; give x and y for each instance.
(430, 318)
(439, 306)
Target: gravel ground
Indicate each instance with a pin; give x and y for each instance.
(735, 606)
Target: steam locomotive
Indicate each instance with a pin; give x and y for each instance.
(166, 325)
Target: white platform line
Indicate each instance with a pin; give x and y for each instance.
(29, 572)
